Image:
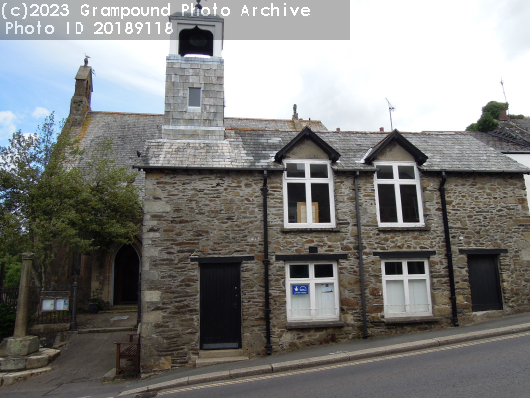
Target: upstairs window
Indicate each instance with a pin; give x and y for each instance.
(308, 194)
(398, 195)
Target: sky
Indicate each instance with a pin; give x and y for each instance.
(437, 63)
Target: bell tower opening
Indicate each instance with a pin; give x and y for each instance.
(195, 41)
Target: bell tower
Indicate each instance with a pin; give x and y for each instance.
(194, 108)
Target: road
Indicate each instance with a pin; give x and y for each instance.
(493, 368)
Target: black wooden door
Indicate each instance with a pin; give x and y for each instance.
(484, 281)
(220, 306)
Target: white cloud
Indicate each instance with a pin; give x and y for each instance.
(7, 124)
(40, 112)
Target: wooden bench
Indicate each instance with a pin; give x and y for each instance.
(130, 351)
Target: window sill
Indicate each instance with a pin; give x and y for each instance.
(310, 229)
(404, 228)
(314, 325)
(410, 319)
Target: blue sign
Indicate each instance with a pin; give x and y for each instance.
(300, 289)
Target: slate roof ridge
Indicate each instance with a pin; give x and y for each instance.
(126, 113)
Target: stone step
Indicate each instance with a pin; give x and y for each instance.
(120, 308)
(202, 362)
(221, 353)
(107, 330)
(6, 379)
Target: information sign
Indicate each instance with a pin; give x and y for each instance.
(300, 289)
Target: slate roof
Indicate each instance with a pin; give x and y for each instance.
(232, 123)
(128, 131)
(253, 143)
(454, 152)
(515, 130)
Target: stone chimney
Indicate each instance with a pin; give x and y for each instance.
(296, 122)
(80, 103)
(382, 129)
(503, 115)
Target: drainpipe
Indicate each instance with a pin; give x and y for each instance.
(139, 313)
(448, 252)
(266, 262)
(361, 261)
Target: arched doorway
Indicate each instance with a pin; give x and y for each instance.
(126, 268)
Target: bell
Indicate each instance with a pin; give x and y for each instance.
(195, 41)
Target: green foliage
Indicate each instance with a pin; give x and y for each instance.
(487, 123)
(13, 270)
(494, 108)
(49, 204)
(490, 112)
(102, 305)
(516, 116)
(7, 320)
(472, 127)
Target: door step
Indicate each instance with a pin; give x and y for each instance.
(221, 353)
(121, 308)
(216, 357)
(202, 362)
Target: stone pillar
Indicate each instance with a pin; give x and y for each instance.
(21, 322)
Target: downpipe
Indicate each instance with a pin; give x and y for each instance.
(266, 262)
(448, 250)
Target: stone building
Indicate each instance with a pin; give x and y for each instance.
(511, 137)
(261, 236)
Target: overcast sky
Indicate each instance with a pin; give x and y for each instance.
(437, 62)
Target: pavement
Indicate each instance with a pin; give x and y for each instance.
(87, 357)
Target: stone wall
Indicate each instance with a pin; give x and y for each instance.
(207, 213)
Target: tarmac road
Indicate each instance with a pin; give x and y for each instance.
(477, 369)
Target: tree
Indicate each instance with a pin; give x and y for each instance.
(56, 199)
(494, 108)
(490, 112)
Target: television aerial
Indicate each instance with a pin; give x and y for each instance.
(390, 109)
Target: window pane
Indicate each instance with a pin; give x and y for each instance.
(409, 203)
(406, 172)
(418, 295)
(325, 299)
(416, 267)
(296, 170)
(323, 270)
(385, 172)
(395, 292)
(296, 203)
(320, 197)
(318, 170)
(300, 304)
(299, 271)
(393, 268)
(194, 98)
(387, 203)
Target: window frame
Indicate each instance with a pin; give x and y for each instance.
(311, 281)
(194, 108)
(307, 180)
(397, 182)
(405, 277)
